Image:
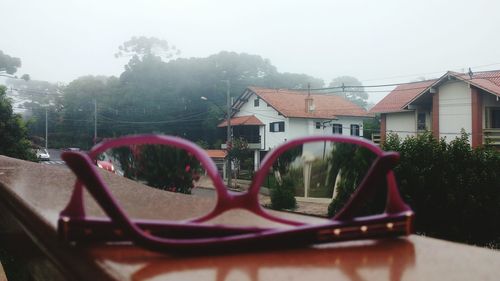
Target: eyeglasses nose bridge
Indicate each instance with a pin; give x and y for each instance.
(242, 200)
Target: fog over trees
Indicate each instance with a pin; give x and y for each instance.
(156, 93)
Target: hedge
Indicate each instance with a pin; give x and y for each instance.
(453, 188)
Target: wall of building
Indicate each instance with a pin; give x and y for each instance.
(267, 115)
(490, 100)
(402, 123)
(300, 127)
(294, 127)
(454, 109)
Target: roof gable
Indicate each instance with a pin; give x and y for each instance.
(488, 81)
(396, 100)
(399, 98)
(248, 120)
(292, 104)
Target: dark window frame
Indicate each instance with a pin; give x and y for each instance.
(421, 122)
(280, 124)
(337, 129)
(355, 130)
(256, 102)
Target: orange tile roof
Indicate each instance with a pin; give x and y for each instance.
(486, 80)
(292, 104)
(216, 153)
(400, 96)
(249, 120)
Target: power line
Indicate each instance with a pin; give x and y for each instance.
(326, 90)
(427, 73)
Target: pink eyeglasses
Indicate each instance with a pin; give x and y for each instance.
(353, 173)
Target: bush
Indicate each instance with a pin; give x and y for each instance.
(283, 195)
(453, 189)
(14, 137)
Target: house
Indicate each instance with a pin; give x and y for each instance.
(445, 107)
(219, 158)
(266, 117)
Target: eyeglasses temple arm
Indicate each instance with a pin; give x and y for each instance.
(86, 172)
(75, 208)
(378, 174)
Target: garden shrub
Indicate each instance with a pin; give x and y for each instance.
(283, 194)
(453, 189)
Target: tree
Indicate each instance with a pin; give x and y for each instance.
(157, 96)
(15, 141)
(351, 88)
(9, 64)
(140, 47)
(238, 153)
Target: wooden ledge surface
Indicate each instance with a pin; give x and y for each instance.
(32, 195)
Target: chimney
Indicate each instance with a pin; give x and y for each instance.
(309, 100)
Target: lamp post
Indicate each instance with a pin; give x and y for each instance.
(228, 132)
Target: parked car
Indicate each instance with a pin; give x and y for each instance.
(106, 166)
(42, 154)
(72, 149)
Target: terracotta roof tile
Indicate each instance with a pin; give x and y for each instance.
(400, 96)
(403, 94)
(486, 80)
(216, 153)
(293, 104)
(249, 120)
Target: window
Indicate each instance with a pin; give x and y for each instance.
(256, 102)
(337, 129)
(421, 121)
(277, 127)
(318, 125)
(354, 130)
(493, 118)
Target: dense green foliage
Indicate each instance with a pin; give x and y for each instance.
(453, 189)
(238, 155)
(9, 64)
(13, 134)
(283, 194)
(350, 163)
(283, 189)
(157, 96)
(158, 166)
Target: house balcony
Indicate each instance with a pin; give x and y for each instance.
(491, 136)
(247, 128)
(253, 141)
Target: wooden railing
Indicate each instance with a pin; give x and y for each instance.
(491, 136)
(376, 138)
(253, 141)
(31, 196)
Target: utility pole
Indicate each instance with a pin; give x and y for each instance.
(229, 138)
(95, 120)
(46, 129)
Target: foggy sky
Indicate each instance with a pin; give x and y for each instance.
(376, 41)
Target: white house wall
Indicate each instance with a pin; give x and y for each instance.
(299, 127)
(402, 123)
(346, 123)
(294, 127)
(267, 115)
(454, 110)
